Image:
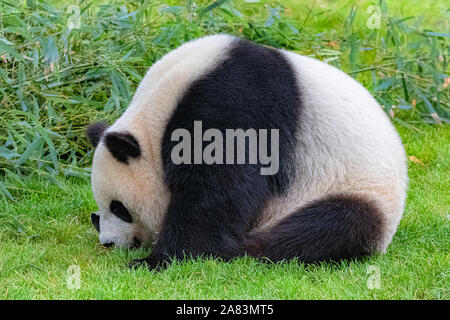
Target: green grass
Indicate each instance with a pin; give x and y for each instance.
(55, 80)
(46, 230)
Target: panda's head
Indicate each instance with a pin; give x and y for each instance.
(126, 186)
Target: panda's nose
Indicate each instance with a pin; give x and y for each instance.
(108, 244)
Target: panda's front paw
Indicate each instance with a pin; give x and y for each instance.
(149, 263)
(137, 263)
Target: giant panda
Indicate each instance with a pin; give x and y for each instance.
(339, 191)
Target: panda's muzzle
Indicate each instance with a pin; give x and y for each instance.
(95, 219)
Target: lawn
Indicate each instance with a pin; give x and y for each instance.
(46, 238)
(54, 81)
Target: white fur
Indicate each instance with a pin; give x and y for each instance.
(114, 230)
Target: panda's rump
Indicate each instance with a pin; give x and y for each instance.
(346, 145)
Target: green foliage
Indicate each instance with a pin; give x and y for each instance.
(59, 73)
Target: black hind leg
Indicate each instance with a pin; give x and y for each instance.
(334, 228)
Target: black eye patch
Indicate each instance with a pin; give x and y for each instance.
(120, 211)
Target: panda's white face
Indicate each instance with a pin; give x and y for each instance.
(115, 231)
(127, 188)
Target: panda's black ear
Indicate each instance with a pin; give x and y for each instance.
(95, 132)
(122, 145)
(95, 219)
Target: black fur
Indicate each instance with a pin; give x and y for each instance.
(119, 210)
(122, 145)
(338, 227)
(95, 219)
(212, 207)
(95, 132)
